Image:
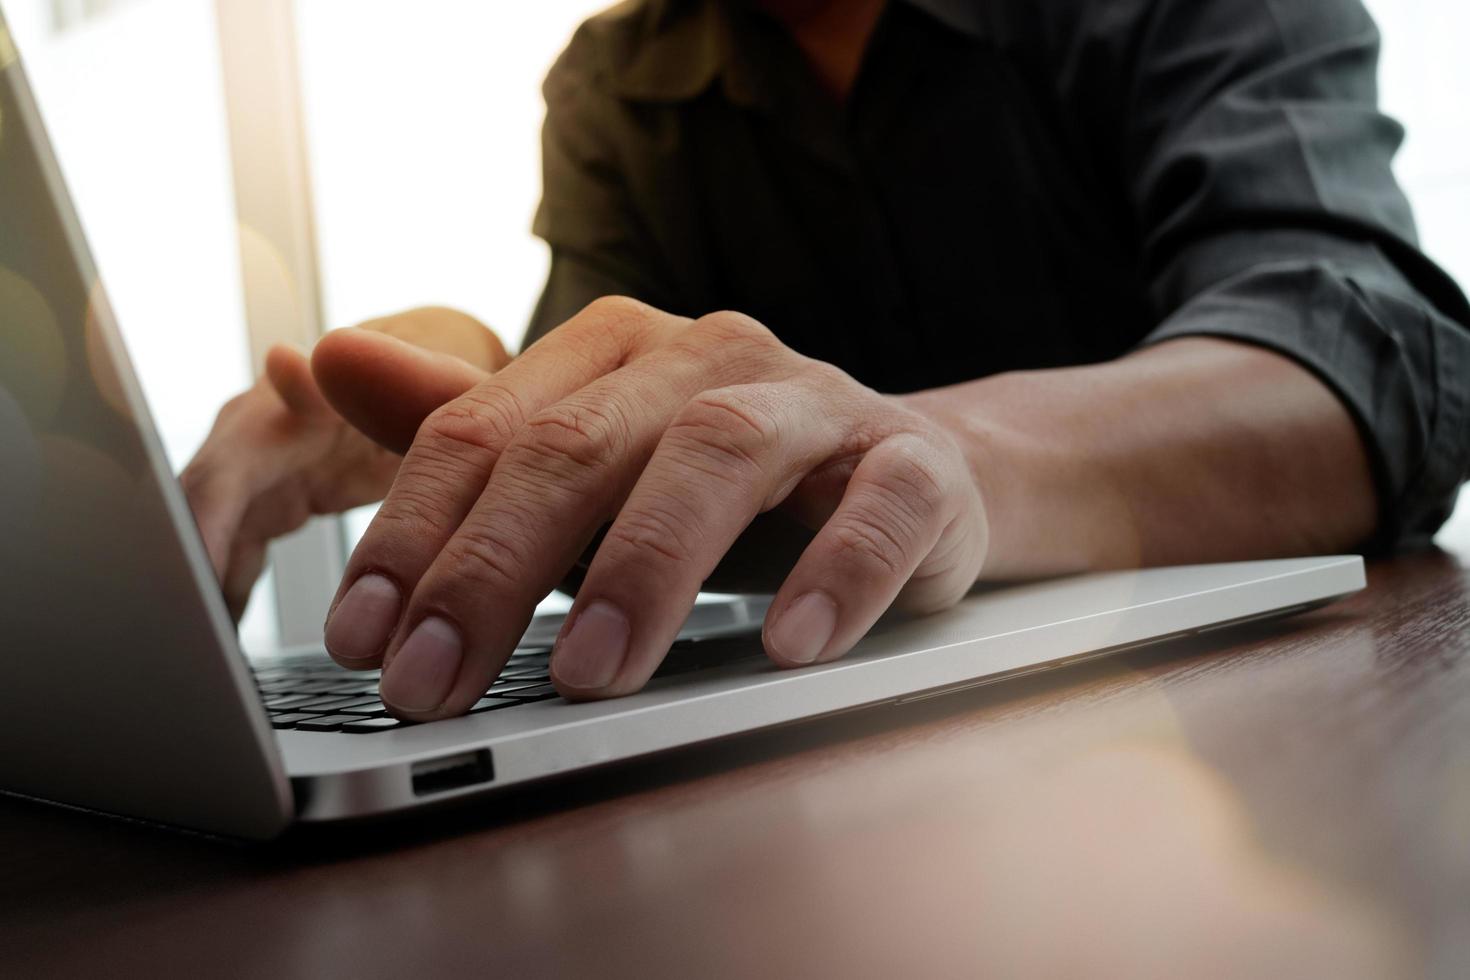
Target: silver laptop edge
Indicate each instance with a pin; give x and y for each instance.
(122, 687)
(989, 636)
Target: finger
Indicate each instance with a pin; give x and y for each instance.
(560, 479)
(386, 387)
(246, 564)
(910, 517)
(222, 505)
(230, 469)
(730, 455)
(446, 331)
(449, 465)
(289, 372)
(218, 504)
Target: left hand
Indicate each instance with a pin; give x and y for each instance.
(680, 433)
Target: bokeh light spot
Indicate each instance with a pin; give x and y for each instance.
(7, 48)
(20, 485)
(32, 352)
(100, 356)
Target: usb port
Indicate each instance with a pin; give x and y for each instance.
(451, 772)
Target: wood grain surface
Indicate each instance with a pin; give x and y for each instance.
(1281, 800)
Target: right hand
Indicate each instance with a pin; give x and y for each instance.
(282, 451)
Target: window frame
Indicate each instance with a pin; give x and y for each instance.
(259, 61)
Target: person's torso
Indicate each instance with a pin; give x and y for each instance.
(949, 222)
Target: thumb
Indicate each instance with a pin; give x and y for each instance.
(384, 386)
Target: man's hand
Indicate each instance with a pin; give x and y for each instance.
(679, 433)
(280, 452)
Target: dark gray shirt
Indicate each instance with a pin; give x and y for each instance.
(1020, 184)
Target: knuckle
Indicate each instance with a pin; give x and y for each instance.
(912, 481)
(869, 543)
(897, 510)
(947, 574)
(736, 337)
(620, 309)
(824, 376)
(572, 436)
(734, 347)
(737, 340)
(480, 557)
(242, 402)
(607, 326)
(733, 425)
(616, 315)
(196, 477)
(655, 534)
(411, 512)
(482, 420)
(925, 594)
(424, 500)
(732, 326)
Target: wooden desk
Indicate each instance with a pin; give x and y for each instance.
(1289, 800)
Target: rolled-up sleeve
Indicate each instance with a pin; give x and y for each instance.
(1259, 169)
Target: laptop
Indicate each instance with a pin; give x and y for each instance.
(123, 688)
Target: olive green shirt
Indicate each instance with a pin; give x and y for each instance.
(1019, 184)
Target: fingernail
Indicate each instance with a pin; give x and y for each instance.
(422, 675)
(803, 631)
(589, 656)
(364, 619)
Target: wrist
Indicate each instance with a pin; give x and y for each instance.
(996, 463)
(1050, 504)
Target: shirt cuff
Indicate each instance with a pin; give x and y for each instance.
(1401, 369)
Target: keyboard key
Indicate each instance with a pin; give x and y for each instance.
(288, 700)
(371, 724)
(524, 674)
(329, 723)
(334, 673)
(536, 693)
(506, 687)
(316, 686)
(361, 699)
(368, 707)
(318, 704)
(288, 720)
(324, 670)
(354, 687)
(490, 704)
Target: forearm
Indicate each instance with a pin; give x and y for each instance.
(1193, 450)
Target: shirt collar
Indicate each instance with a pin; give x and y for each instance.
(680, 47)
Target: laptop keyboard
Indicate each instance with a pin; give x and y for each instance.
(316, 695)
